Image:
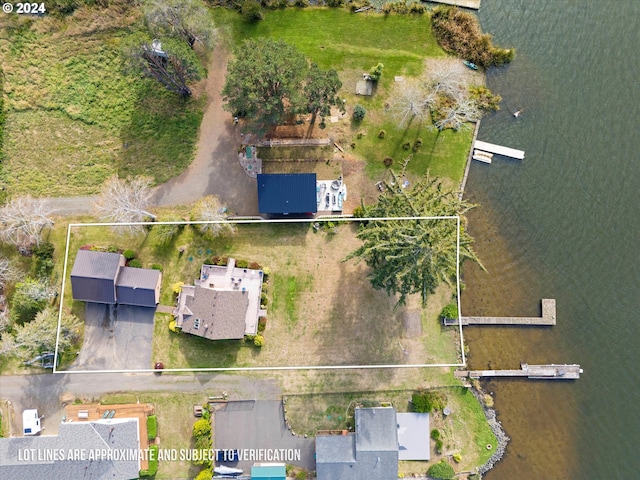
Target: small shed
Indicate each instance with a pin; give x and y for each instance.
(287, 194)
(31, 422)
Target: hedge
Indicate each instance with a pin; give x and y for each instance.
(153, 462)
(152, 427)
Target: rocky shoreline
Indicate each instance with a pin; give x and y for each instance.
(498, 431)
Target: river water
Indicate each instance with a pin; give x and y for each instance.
(564, 224)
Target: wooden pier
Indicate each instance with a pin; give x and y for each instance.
(535, 372)
(547, 319)
(471, 4)
(498, 149)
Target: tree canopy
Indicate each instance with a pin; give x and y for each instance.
(270, 79)
(413, 256)
(188, 20)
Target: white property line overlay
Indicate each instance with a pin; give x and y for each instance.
(257, 369)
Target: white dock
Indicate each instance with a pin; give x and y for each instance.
(499, 150)
(482, 156)
(535, 372)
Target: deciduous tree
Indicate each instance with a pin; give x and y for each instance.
(125, 201)
(31, 296)
(23, 221)
(263, 81)
(39, 336)
(170, 63)
(8, 271)
(413, 256)
(320, 91)
(188, 20)
(210, 209)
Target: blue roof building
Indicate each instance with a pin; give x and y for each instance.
(269, 471)
(287, 194)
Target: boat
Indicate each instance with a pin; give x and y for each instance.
(471, 65)
(224, 470)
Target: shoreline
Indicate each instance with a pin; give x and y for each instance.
(497, 429)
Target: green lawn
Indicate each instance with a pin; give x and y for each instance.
(352, 44)
(75, 115)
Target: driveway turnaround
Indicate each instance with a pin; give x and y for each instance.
(257, 429)
(116, 338)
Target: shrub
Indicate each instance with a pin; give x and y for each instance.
(153, 462)
(135, 263)
(176, 287)
(152, 427)
(353, 145)
(388, 161)
(358, 4)
(129, 254)
(335, 3)
(441, 470)
(113, 249)
(435, 434)
(424, 401)
(459, 32)
(301, 3)
(376, 72)
(251, 10)
(301, 475)
(485, 100)
(255, 266)
(382, 134)
(29, 299)
(359, 112)
(205, 474)
(418, 142)
(438, 446)
(262, 324)
(222, 262)
(242, 264)
(266, 271)
(406, 145)
(201, 428)
(450, 311)
(457, 457)
(157, 266)
(263, 298)
(258, 340)
(44, 251)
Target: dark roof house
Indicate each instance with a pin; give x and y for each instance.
(101, 277)
(53, 459)
(371, 453)
(287, 194)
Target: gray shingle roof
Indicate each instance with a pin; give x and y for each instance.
(287, 193)
(373, 447)
(116, 435)
(219, 314)
(93, 276)
(137, 286)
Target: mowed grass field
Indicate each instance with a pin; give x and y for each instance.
(321, 309)
(352, 44)
(76, 115)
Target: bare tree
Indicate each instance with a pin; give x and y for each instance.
(23, 221)
(125, 201)
(409, 102)
(454, 111)
(188, 20)
(209, 209)
(5, 320)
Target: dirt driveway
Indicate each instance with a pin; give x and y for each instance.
(116, 338)
(215, 169)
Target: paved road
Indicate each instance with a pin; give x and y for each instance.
(45, 391)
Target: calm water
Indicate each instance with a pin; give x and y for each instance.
(564, 224)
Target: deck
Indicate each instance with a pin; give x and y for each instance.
(534, 372)
(498, 149)
(548, 318)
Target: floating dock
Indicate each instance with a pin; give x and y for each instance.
(482, 156)
(535, 372)
(548, 318)
(498, 149)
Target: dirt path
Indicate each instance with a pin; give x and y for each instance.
(215, 169)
